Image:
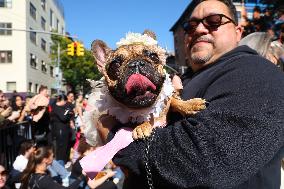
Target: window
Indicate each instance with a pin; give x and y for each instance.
(43, 67)
(33, 60)
(6, 3)
(11, 86)
(51, 18)
(33, 36)
(43, 4)
(43, 44)
(43, 23)
(32, 11)
(51, 71)
(5, 56)
(5, 25)
(57, 25)
(30, 87)
(62, 30)
(36, 88)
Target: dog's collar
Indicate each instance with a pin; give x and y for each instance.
(125, 114)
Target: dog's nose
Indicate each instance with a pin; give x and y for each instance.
(136, 64)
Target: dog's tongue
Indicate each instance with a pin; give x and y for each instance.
(138, 82)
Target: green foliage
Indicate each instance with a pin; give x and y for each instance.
(75, 69)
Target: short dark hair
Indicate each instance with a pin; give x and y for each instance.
(42, 87)
(25, 146)
(257, 9)
(61, 97)
(70, 92)
(229, 3)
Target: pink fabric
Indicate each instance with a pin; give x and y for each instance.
(77, 141)
(98, 159)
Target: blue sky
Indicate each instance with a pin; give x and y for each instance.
(110, 20)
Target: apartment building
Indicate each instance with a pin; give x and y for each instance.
(25, 62)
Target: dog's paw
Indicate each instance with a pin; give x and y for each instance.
(189, 107)
(142, 131)
(196, 104)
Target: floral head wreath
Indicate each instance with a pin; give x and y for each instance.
(136, 38)
(143, 39)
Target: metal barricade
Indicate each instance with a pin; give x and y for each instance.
(11, 136)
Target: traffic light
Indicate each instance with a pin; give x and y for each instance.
(70, 49)
(80, 49)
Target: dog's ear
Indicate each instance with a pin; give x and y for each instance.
(100, 51)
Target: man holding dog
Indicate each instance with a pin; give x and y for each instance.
(237, 141)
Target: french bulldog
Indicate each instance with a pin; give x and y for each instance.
(139, 90)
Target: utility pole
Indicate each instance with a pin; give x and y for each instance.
(58, 82)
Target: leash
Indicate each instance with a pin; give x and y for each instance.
(146, 159)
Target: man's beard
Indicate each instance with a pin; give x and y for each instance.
(201, 59)
(197, 59)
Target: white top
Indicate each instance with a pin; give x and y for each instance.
(20, 163)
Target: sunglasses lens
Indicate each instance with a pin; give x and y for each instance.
(4, 173)
(190, 26)
(213, 20)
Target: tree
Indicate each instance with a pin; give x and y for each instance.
(75, 69)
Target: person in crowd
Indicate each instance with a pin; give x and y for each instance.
(38, 106)
(3, 177)
(237, 141)
(262, 43)
(71, 105)
(27, 148)
(78, 125)
(36, 176)
(71, 99)
(60, 116)
(79, 109)
(17, 105)
(102, 181)
(5, 108)
(26, 112)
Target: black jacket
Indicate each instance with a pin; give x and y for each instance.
(235, 143)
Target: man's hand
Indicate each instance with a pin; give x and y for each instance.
(6, 112)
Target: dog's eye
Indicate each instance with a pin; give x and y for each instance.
(117, 60)
(113, 67)
(153, 56)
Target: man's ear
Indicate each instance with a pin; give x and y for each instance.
(239, 31)
(100, 51)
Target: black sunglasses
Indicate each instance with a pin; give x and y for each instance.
(210, 22)
(4, 173)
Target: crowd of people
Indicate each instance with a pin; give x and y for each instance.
(51, 158)
(269, 27)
